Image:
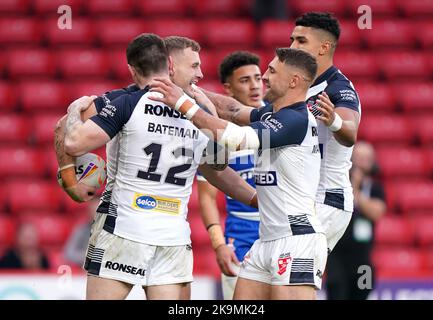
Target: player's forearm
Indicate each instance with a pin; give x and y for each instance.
(72, 136)
(346, 136)
(59, 144)
(211, 126)
(207, 195)
(228, 108)
(229, 182)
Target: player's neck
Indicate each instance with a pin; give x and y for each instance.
(142, 82)
(288, 100)
(325, 65)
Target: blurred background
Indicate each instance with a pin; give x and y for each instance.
(43, 68)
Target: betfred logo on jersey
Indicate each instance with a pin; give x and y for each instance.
(144, 202)
(265, 178)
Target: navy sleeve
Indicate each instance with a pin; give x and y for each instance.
(257, 114)
(283, 128)
(342, 94)
(113, 116)
(107, 97)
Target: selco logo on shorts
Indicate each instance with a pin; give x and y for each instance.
(143, 202)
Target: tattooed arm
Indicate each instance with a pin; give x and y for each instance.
(82, 137)
(230, 109)
(77, 191)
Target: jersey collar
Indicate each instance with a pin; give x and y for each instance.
(325, 75)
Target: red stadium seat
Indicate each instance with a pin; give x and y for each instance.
(213, 8)
(378, 7)
(230, 32)
(119, 65)
(209, 64)
(32, 195)
(376, 97)
(21, 162)
(425, 37)
(389, 129)
(37, 96)
(167, 27)
(393, 230)
(398, 261)
(43, 128)
(19, 31)
(14, 129)
(83, 63)
(416, 8)
(390, 33)
(350, 35)
(153, 8)
(104, 7)
(397, 162)
(14, 6)
(391, 196)
(3, 200)
(88, 88)
(30, 62)
(275, 33)
(405, 65)
(51, 6)
(205, 262)
(53, 229)
(335, 6)
(414, 97)
(357, 64)
(81, 33)
(119, 31)
(414, 195)
(8, 99)
(424, 129)
(7, 230)
(423, 226)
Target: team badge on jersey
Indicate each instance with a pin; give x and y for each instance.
(284, 260)
(143, 202)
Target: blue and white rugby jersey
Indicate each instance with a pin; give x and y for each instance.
(158, 154)
(287, 171)
(335, 188)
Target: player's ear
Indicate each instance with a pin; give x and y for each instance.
(228, 89)
(294, 81)
(170, 66)
(132, 71)
(325, 48)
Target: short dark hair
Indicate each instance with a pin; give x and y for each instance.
(320, 20)
(174, 43)
(299, 59)
(147, 53)
(236, 60)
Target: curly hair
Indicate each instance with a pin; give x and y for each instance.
(320, 20)
(236, 60)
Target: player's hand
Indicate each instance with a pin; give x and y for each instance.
(203, 100)
(82, 103)
(171, 92)
(326, 107)
(81, 192)
(225, 257)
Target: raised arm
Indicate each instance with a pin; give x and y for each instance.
(229, 109)
(77, 192)
(343, 122)
(82, 137)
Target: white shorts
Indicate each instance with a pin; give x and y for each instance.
(293, 260)
(112, 257)
(334, 222)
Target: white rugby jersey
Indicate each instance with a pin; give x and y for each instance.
(158, 154)
(112, 147)
(287, 171)
(335, 188)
